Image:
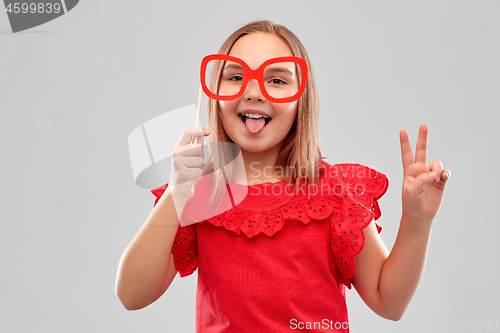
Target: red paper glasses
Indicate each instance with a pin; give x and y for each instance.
(281, 80)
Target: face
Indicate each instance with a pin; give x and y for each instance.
(255, 49)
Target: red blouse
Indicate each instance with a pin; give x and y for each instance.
(276, 262)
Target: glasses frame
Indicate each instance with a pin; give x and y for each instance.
(255, 74)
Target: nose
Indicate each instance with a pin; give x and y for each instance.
(252, 91)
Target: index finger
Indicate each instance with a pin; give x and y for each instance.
(406, 153)
(189, 134)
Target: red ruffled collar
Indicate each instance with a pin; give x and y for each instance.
(347, 194)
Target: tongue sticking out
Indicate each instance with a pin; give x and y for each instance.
(254, 126)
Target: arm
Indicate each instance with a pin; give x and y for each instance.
(385, 282)
(147, 267)
(388, 282)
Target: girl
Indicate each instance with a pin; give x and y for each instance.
(281, 232)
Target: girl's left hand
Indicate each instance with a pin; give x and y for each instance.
(423, 185)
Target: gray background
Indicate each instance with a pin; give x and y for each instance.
(73, 89)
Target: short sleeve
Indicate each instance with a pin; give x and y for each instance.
(357, 202)
(185, 247)
(368, 186)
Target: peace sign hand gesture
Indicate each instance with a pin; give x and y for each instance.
(423, 185)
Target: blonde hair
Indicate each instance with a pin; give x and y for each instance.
(300, 149)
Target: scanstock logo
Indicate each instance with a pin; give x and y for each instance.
(24, 15)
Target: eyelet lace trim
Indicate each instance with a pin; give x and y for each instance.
(350, 207)
(253, 223)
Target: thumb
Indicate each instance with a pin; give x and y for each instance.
(420, 182)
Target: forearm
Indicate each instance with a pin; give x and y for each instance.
(403, 268)
(144, 265)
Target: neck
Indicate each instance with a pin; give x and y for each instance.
(256, 167)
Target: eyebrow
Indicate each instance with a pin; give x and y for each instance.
(280, 70)
(271, 69)
(233, 65)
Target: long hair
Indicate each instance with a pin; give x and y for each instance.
(300, 150)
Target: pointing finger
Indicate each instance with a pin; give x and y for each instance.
(406, 153)
(190, 133)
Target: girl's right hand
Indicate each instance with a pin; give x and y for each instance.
(187, 164)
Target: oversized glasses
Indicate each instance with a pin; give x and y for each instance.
(281, 80)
